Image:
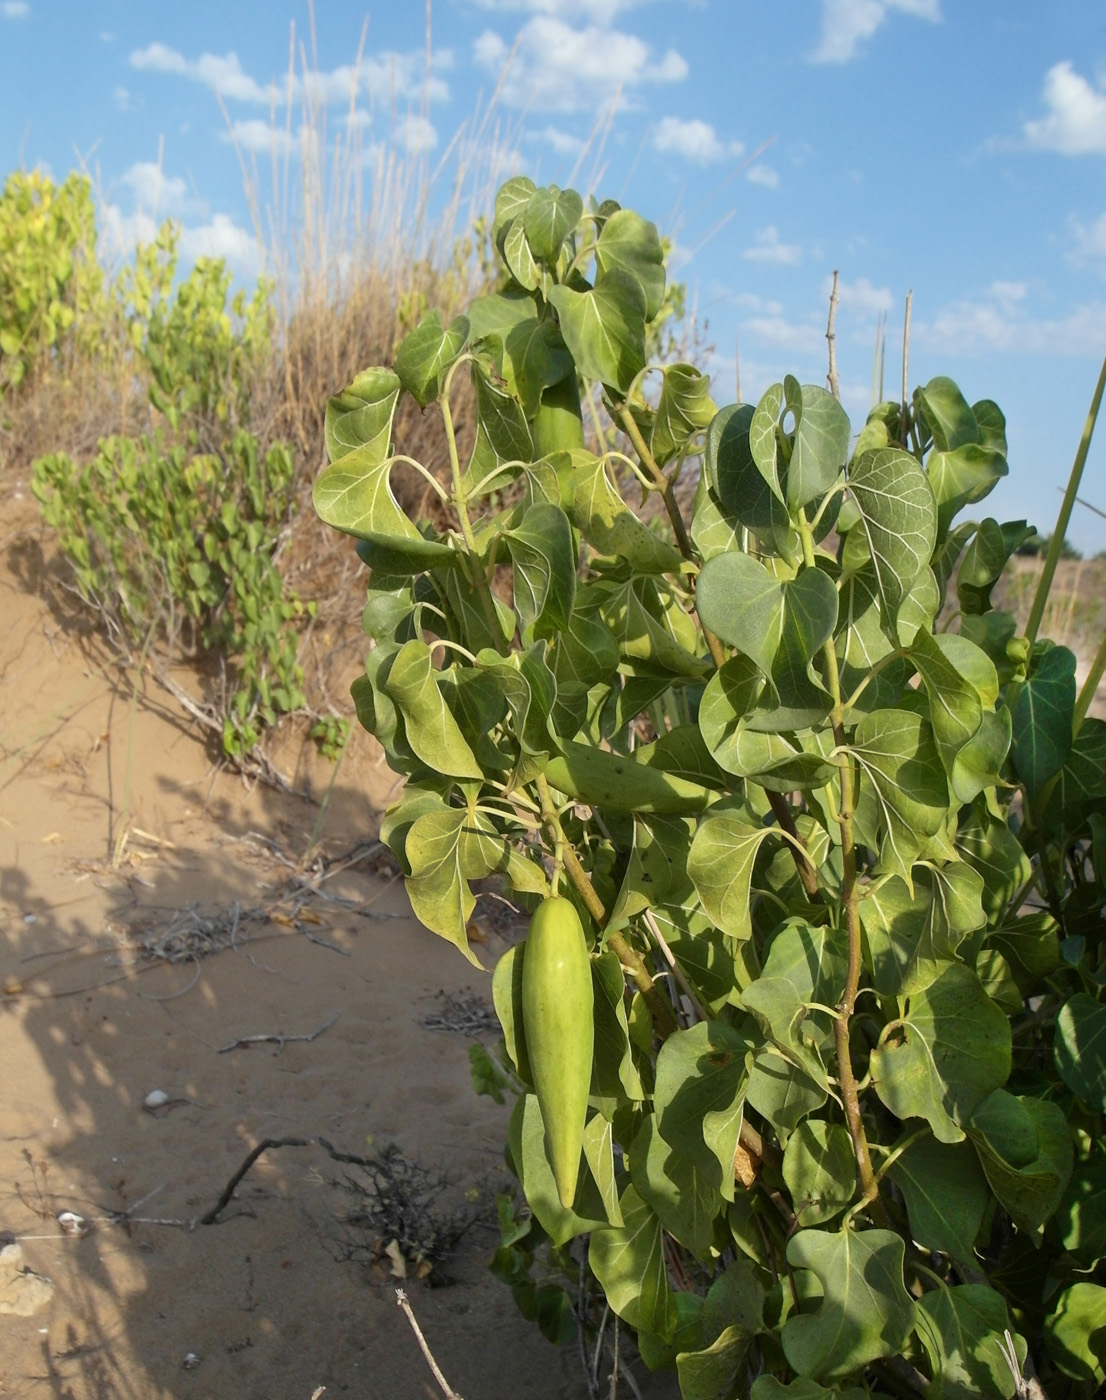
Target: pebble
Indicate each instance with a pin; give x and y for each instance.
(156, 1098)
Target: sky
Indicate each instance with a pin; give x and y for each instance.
(955, 149)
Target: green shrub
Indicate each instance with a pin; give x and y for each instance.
(841, 870)
(51, 286)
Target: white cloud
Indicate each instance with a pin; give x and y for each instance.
(553, 67)
(760, 174)
(386, 76)
(1076, 120)
(563, 142)
(846, 22)
(806, 337)
(15, 9)
(154, 191)
(861, 296)
(221, 237)
(593, 11)
(416, 134)
(768, 248)
(261, 138)
(694, 140)
(123, 99)
(996, 320)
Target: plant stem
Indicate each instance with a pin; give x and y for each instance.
(797, 846)
(460, 502)
(663, 485)
(1044, 583)
(1089, 688)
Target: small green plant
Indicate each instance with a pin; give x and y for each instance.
(51, 285)
(179, 548)
(839, 864)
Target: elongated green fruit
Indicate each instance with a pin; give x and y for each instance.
(558, 422)
(557, 1018)
(613, 780)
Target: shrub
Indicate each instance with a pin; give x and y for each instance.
(840, 869)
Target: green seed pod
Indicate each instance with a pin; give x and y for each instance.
(557, 1012)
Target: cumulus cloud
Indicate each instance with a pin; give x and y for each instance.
(997, 320)
(760, 174)
(861, 296)
(845, 23)
(155, 192)
(15, 9)
(563, 142)
(261, 138)
(386, 76)
(1075, 123)
(693, 140)
(554, 67)
(591, 11)
(768, 248)
(806, 337)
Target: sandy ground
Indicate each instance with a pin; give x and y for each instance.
(88, 1028)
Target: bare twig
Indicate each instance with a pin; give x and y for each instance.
(212, 1216)
(447, 1389)
(831, 341)
(277, 1038)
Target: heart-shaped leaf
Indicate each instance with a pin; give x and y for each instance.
(685, 408)
(361, 417)
(631, 244)
(550, 216)
(898, 522)
(543, 552)
(945, 1193)
(1042, 716)
(1079, 1049)
(629, 1264)
(950, 1050)
(429, 350)
(605, 328)
(962, 1331)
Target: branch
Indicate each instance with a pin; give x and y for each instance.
(447, 1389)
(831, 338)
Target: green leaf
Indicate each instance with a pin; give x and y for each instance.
(511, 201)
(949, 1051)
(821, 442)
(651, 628)
(991, 848)
(526, 1145)
(426, 352)
(683, 1198)
(819, 1167)
(631, 244)
(720, 864)
(699, 1096)
(1079, 1048)
(1075, 1332)
(516, 252)
(629, 1264)
(780, 624)
(743, 492)
(805, 965)
(945, 1193)
(685, 408)
(361, 416)
(902, 769)
(355, 496)
(962, 1330)
(1042, 717)
(865, 1311)
(507, 999)
(607, 523)
(549, 217)
(960, 680)
(767, 1387)
(782, 1093)
(913, 935)
(529, 352)
(1081, 1215)
(530, 691)
(1025, 1147)
(412, 684)
(963, 475)
(604, 328)
(1081, 787)
(445, 851)
(898, 521)
(599, 1155)
(984, 561)
(543, 552)
(614, 1073)
(502, 438)
(948, 417)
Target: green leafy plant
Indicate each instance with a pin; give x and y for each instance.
(839, 863)
(51, 285)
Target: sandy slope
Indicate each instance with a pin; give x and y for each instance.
(85, 1033)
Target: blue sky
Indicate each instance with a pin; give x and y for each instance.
(953, 147)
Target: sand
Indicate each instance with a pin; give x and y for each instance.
(118, 830)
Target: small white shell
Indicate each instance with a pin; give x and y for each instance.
(156, 1098)
(72, 1224)
(191, 1361)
